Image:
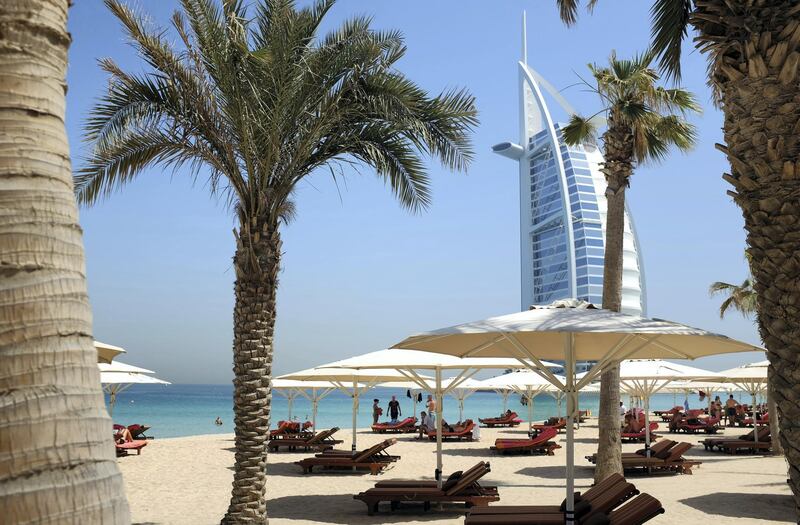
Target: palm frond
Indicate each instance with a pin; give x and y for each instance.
(579, 130)
(669, 26)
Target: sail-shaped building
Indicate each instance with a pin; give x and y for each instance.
(563, 207)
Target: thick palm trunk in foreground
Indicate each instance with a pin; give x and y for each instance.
(756, 54)
(618, 166)
(257, 262)
(57, 461)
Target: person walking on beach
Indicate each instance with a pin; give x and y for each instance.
(431, 405)
(376, 411)
(730, 410)
(394, 409)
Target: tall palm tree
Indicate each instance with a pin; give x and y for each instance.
(57, 461)
(643, 121)
(258, 101)
(753, 50)
(742, 298)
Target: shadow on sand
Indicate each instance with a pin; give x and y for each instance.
(556, 472)
(342, 508)
(772, 507)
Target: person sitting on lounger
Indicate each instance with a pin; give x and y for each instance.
(632, 425)
(426, 424)
(123, 436)
(446, 427)
(675, 421)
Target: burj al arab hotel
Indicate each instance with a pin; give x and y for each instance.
(563, 207)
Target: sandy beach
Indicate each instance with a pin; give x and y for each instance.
(187, 480)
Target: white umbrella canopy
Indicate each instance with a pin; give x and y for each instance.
(573, 331)
(106, 352)
(526, 383)
(116, 377)
(314, 391)
(645, 377)
(352, 382)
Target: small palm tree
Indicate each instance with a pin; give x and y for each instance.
(258, 102)
(644, 121)
(741, 298)
(753, 53)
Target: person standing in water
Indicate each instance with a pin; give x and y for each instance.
(394, 409)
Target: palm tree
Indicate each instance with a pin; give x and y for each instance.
(57, 460)
(644, 121)
(257, 102)
(753, 50)
(742, 298)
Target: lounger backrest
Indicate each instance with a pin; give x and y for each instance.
(467, 479)
(545, 435)
(612, 497)
(638, 510)
(763, 433)
(653, 426)
(374, 449)
(677, 451)
(321, 436)
(663, 453)
(603, 486)
(474, 468)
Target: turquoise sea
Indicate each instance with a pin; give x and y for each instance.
(186, 410)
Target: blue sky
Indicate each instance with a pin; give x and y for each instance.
(360, 273)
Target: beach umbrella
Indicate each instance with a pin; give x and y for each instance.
(117, 377)
(350, 381)
(106, 352)
(751, 378)
(573, 331)
(461, 392)
(410, 361)
(314, 391)
(645, 377)
(525, 383)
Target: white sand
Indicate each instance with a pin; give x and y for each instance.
(187, 480)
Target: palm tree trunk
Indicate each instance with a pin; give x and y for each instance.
(756, 54)
(617, 168)
(774, 421)
(257, 262)
(57, 460)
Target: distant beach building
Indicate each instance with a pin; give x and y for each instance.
(563, 208)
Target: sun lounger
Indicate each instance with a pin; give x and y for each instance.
(556, 423)
(409, 424)
(733, 446)
(397, 483)
(599, 499)
(319, 441)
(712, 443)
(671, 460)
(124, 449)
(510, 420)
(456, 435)
(540, 443)
(640, 509)
(764, 420)
(708, 425)
(460, 487)
(640, 436)
(373, 459)
(658, 448)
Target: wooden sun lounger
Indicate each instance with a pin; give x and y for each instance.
(711, 443)
(459, 488)
(733, 446)
(409, 424)
(124, 449)
(373, 459)
(555, 423)
(658, 448)
(709, 426)
(670, 461)
(640, 436)
(600, 499)
(458, 435)
(399, 483)
(640, 509)
(541, 443)
(319, 441)
(510, 420)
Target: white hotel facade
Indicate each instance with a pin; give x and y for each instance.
(563, 208)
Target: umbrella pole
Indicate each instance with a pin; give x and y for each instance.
(755, 421)
(530, 411)
(438, 473)
(355, 414)
(290, 402)
(505, 400)
(112, 398)
(460, 409)
(569, 515)
(647, 422)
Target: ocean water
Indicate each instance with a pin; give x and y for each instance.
(186, 410)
